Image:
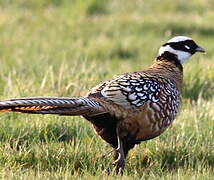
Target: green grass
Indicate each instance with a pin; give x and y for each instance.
(63, 48)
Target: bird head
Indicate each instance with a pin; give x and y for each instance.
(181, 47)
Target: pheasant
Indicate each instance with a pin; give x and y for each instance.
(128, 109)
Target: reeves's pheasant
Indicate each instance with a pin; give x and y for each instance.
(130, 108)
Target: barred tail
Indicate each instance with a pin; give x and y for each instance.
(61, 106)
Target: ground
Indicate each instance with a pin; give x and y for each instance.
(64, 48)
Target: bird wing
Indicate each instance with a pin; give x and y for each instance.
(132, 90)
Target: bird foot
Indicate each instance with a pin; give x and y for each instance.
(119, 163)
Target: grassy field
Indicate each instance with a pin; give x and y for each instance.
(63, 48)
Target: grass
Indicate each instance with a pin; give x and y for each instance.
(63, 48)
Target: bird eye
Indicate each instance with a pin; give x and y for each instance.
(187, 47)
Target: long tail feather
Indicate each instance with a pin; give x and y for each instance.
(61, 106)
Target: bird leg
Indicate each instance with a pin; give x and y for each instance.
(119, 155)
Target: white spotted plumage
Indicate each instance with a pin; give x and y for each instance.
(134, 90)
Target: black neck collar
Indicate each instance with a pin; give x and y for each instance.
(167, 56)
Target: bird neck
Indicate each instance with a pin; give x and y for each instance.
(167, 56)
(167, 69)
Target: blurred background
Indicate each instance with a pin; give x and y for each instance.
(65, 47)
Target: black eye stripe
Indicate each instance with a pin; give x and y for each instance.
(189, 43)
(181, 46)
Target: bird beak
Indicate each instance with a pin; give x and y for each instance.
(200, 49)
